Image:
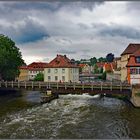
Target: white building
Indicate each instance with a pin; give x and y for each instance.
(61, 69)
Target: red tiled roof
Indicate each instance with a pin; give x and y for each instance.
(82, 65)
(137, 53)
(100, 64)
(110, 66)
(132, 62)
(132, 48)
(37, 65)
(23, 67)
(61, 62)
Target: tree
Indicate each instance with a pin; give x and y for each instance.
(39, 77)
(110, 57)
(93, 60)
(10, 59)
(96, 69)
(101, 59)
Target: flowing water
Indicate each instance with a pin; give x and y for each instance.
(70, 116)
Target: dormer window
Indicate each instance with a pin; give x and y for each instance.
(138, 59)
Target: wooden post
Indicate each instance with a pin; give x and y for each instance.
(83, 86)
(32, 85)
(120, 86)
(18, 84)
(57, 85)
(12, 85)
(101, 86)
(25, 84)
(6, 84)
(39, 85)
(111, 86)
(91, 86)
(65, 86)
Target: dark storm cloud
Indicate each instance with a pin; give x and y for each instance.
(30, 31)
(122, 31)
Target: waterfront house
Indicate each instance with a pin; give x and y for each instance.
(85, 68)
(23, 76)
(35, 68)
(133, 68)
(61, 69)
(131, 49)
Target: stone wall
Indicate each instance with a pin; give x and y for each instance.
(135, 98)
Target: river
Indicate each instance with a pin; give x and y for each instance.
(70, 116)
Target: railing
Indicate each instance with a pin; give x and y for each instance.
(94, 85)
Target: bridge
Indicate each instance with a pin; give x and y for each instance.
(71, 88)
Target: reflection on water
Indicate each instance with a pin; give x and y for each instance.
(70, 116)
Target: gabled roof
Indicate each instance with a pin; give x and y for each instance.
(132, 48)
(37, 65)
(82, 65)
(110, 66)
(61, 62)
(132, 62)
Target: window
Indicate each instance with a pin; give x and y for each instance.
(55, 70)
(56, 78)
(63, 78)
(137, 59)
(49, 70)
(49, 78)
(63, 70)
(134, 71)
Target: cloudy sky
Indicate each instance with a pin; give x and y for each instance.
(78, 29)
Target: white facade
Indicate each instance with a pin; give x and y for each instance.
(33, 73)
(134, 75)
(61, 74)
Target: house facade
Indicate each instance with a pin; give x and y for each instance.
(131, 49)
(61, 69)
(35, 68)
(23, 76)
(85, 68)
(133, 68)
(29, 72)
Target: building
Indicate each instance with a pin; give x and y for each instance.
(35, 68)
(29, 72)
(23, 76)
(61, 69)
(109, 67)
(131, 49)
(85, 68)
(133, 68)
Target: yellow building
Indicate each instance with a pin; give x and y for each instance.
(23, 76)
(132, 48)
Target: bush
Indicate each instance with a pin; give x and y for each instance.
(39, 77)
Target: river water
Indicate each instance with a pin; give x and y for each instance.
(70, 116)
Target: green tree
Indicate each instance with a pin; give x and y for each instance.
(93, 60)
(96, 70)
(101, 59)
(10, 59)
(39, 77)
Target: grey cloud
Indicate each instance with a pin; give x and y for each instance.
(62, 51)
(118, 30)
(24, 33)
